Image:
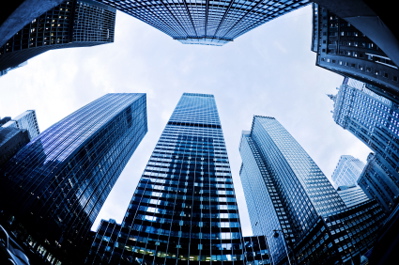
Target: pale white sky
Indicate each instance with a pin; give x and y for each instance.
(268, 71)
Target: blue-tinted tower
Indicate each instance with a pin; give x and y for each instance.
(184, 209)
(284, 188)
(56, 185)
(374, 120)
(205, 22)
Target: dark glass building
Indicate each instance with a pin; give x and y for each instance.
(184, 209)
(55, 186)
(11, 141)
(374, 120)
(291, 201)
(16, 14)
(205, 22)
(345, 50)
(73, 23)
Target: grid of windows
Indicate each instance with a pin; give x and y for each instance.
(343, 49)
(375, 121)
(205, 22)
(347, 171)
(58, 182)
(298, 192)
(184, 208)
(74, 23)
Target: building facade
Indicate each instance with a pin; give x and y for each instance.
(379, 183)
(352, 195)
(73, 23)
(11, 141)
(343, 49)
(55, 186)
(347, 171)
(25, 121)
(374, 120)
(289, 200)
(205, 22)
(184, 209)
(285, 194)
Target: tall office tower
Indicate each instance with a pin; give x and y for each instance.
(347, 171)
(56, 185)
(205, 22)
(25, 121)
(74, 23)
(184, 209)
(343, 49)
(293, 204)
(282, 184)
(375, 121)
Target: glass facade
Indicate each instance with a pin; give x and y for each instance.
(374, 120)
(345, 50)
(25, 121)
(296, 190)
(184, 209)
(352, 195)
(74, 23)
(347, 171)
(56, 184)
(205, 22)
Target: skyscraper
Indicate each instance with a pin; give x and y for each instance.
(282, 184)
(25, 121)
(73, 23)
(205, 22)
(347, 171)
(294, 205)
(345, 50)
(56, 185)
(184, 209)
(374, 120)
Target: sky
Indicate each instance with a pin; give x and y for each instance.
(268, 71)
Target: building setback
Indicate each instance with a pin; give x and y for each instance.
(343, 49)
(205, 22)
(291, 201)
(184, 209)
(56, 185)
(374, 120)
(73, 23)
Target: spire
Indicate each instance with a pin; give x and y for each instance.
(332, 97)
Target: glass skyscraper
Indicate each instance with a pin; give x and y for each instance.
(374, 120)
(284, 188)
(184, 209)
(345, 50)
(73, 23)
(205, 22)
(56, 185)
